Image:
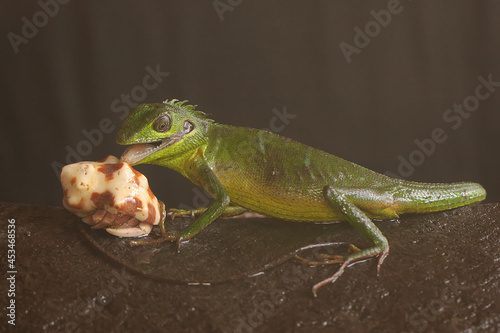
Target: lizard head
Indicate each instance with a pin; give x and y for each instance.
(161, 131)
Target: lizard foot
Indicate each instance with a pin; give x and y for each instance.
(327, 259)
(174, 212)
(345, 260)
(167, 236)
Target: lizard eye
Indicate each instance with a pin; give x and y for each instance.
(162, 124)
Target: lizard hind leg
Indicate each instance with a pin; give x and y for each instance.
(364, 225)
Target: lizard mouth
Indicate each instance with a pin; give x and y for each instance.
(140, 151)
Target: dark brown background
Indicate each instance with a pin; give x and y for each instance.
(262, 55)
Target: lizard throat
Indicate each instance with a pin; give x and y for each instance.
(140, 151)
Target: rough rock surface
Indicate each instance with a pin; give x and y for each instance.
(442, 275)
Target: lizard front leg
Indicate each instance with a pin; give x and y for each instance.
(209, 181)
(363, 224)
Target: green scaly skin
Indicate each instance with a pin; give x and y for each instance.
(247, 169)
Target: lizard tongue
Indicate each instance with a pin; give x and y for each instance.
(139, 151)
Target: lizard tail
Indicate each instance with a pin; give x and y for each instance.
(413, 197)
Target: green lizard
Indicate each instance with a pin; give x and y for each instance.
(247, 169)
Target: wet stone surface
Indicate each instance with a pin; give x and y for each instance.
(442, 275)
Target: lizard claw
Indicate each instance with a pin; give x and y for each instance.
(345, 260)
(338, 258)
(168, 236)
(174, 212)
